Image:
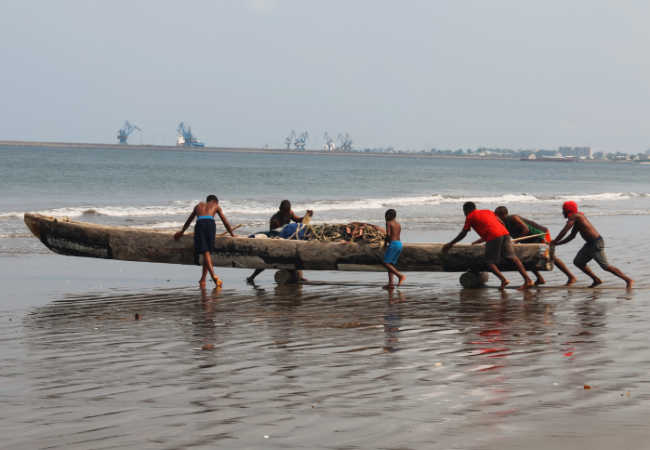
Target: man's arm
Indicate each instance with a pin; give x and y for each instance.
(558, 240)
(188, 222)
(478, 241)
(389, 232)
(522, 225)
(225, 221)
(460, 237)
(295, 218)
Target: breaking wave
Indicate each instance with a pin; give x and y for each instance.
(253, 208)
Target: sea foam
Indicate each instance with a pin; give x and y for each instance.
(254, 208)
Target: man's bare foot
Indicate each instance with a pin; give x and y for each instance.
(388, 287)
(401, 280)
(596, 282)
(539, 281)
(570, 281)
(504, 283)
(527, 285)
(629, 284)
(202, 284)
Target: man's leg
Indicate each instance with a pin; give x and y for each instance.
(590, 274)
(601, 258)
(522, 270)
(495, 270)
(207, 262)
(203, 275)
(585, 254)
(565, 270)
(492, 256)
(393, 271)
(629, 282)
(251, 279)
(508, 252)
(390, 280)
(540, 279)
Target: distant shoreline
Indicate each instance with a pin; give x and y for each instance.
(273, 151)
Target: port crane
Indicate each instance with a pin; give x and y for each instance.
(124, 132)
(345, 142)
(186, 138)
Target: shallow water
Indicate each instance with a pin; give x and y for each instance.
(317, 367)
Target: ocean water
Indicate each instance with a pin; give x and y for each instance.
(337, 366)
(159, 188)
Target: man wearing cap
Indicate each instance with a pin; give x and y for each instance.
(594, 247)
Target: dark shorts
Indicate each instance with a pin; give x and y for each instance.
(204, 233)
(592, 250)
(498, 248)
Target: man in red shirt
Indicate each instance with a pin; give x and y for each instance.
(498, 243)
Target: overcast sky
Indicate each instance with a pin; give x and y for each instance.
(408, 74)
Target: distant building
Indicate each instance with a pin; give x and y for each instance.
(578, 152)
(542, 152)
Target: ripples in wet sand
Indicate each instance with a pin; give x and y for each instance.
(323, 367)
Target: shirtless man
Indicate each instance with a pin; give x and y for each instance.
(205, 230)
(393, 248)
(283, 217)
(519, 227)
(498, 243)
(594, 247)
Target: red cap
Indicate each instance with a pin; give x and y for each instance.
(570, 207)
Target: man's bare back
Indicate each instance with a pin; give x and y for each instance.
(393, 231)
(206, 209)
(586, 229)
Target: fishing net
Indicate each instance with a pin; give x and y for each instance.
(361, 233)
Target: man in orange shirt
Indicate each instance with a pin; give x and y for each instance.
(498, 243)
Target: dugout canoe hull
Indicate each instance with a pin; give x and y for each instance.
(68, 237)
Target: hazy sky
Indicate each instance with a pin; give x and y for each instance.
(409, 74)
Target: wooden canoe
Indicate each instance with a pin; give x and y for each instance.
(68, 237)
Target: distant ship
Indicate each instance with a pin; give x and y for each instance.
(556, 158)
(181, 142)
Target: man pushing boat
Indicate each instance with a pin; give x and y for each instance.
(498, 243)
(519, 227)
(205, 230)
(594, 247)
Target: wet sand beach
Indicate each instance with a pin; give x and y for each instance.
(348, 365)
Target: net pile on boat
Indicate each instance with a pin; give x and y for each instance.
(361, 233)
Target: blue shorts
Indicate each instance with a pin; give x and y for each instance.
(392, 252)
